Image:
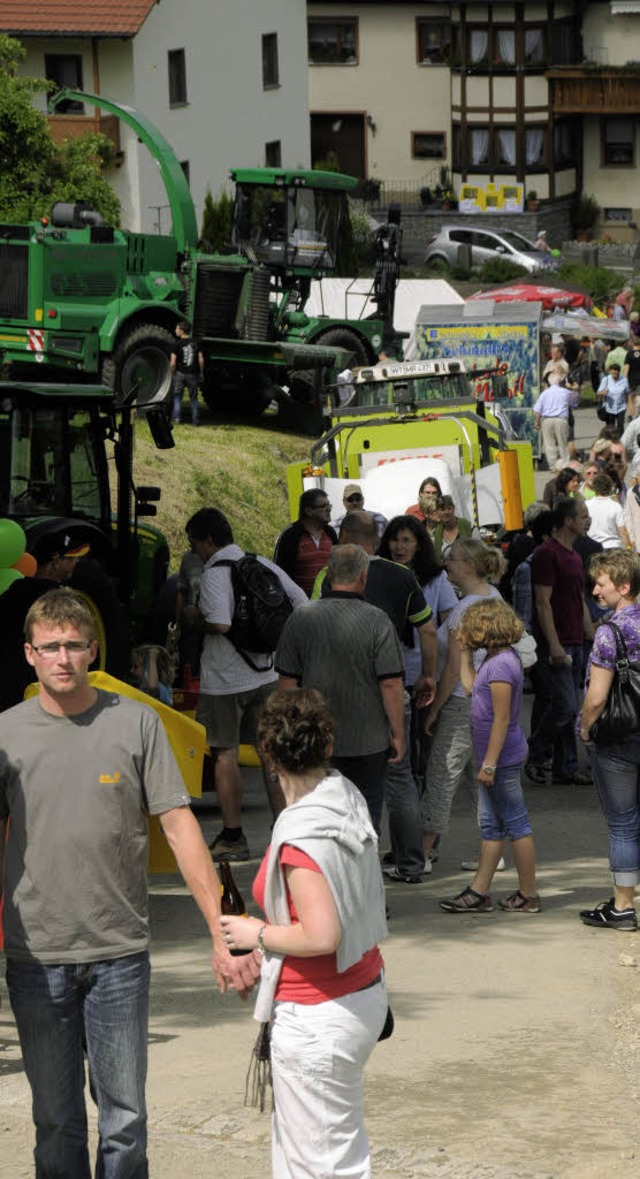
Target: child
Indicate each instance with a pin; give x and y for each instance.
(152, 670)
(500, 750)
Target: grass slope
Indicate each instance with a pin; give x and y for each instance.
(239, 469)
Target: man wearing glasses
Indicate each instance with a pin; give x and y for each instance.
(302, 550)
(80, 770)
(353, 501)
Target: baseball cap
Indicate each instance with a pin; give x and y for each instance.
(60, 544)
(352, 489)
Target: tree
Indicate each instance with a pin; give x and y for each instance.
(217, 222)
(34, 171)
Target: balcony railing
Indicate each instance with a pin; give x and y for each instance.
(71, 125)
(585, 92)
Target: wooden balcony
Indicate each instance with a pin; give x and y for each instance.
(583, 92)
(68, 126)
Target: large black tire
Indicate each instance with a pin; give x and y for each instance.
(302, 383)
(140, 367)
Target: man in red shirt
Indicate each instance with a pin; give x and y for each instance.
(561, 621)
(302, 550)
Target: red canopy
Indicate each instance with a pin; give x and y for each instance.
(550, 297)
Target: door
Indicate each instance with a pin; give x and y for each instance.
(340, 138)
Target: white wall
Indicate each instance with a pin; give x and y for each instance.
(229, 116)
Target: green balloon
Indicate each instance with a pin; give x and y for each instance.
(7, 578)
(13, 542)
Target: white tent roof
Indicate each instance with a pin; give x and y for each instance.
(347, 298)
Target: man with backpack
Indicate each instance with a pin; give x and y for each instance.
(244, 602)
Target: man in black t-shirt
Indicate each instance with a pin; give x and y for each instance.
(187, 365)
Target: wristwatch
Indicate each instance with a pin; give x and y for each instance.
(490, 770)
(261, 945)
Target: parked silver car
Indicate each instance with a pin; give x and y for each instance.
(485, 245)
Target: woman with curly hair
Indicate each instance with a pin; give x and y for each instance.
(322, 980)
(499, 750)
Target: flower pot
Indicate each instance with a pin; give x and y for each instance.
(533, 206)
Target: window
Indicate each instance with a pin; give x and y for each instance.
(498, 149)
(177, 78)
(433, 39)
(620, 215)
(65, 69)
(618, 136)
(565, 46)
(534, 46)
(273, 154)
(270, 74)
(492, 48)
(428, 145)
(186, 168)
(565, 138)
(333, 42)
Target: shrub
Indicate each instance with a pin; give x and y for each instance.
(217, 222)
(601, 283)
(500, 270)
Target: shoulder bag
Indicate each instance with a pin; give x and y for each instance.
(620, 717)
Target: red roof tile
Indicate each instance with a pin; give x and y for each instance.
(77, 18)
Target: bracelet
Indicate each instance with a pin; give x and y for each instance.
(490, 770)
(261, 946)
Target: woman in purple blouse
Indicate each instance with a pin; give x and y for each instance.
(500, 750)
(616, 768)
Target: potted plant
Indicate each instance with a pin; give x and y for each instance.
(532, 201)
(448, 198)
(586, 212)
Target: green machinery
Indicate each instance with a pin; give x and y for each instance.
(66, 461)
(81, 297)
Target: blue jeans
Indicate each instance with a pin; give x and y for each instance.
(557, 692)
(403, 807)
(179, 382)
(59, 1010)
(502, 811)
(616, 773)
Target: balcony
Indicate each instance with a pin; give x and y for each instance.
(587, 92)
(69, 126)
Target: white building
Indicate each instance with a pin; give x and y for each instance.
(226, 84)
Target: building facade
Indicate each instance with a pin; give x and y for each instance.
(226, 84)
(425, 93)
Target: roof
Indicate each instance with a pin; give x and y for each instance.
(77, 18)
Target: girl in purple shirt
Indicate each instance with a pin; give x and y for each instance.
(500, 750)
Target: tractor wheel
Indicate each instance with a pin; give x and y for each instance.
(302, 383)
(140, 368)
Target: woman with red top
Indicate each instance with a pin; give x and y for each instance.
(425, 509)
(322, 982)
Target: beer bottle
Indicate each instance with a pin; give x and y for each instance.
(231, 901)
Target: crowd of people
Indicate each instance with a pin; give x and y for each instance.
(402, 653)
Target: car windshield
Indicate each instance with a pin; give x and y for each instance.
(517, 242)
(49, 463)
(445, 387)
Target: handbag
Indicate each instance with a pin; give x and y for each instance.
(620, 716)
(601, 412)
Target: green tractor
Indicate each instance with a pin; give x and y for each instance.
(78, 297)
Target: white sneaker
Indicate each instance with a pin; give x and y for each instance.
(428, 867)
(472, 865)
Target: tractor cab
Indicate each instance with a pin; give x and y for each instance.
(290, 220)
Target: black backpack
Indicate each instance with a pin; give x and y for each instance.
(261, 609)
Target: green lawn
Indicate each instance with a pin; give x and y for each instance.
(239, 469)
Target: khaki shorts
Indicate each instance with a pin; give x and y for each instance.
(233, 720)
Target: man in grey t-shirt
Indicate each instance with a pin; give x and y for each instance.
(349, 651)
(80, 770)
